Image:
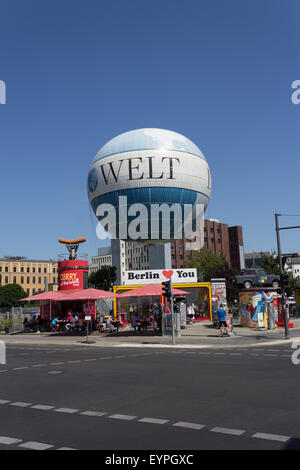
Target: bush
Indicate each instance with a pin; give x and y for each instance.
(8, 323)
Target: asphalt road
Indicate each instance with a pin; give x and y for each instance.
(149, 398)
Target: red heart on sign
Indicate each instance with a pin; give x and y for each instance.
(168, 274)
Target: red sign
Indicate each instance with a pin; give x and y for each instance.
(71, 274)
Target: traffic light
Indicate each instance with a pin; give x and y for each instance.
(284, 281)
(166, 290)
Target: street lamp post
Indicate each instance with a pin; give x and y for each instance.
(286, 320)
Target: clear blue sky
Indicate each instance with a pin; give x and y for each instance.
(80, 72)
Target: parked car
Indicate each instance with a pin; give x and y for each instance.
(257, 278)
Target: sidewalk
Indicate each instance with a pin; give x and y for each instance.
(200, 335)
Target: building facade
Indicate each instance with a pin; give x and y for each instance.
(126, 256)
(33, 275)
(104, 258)
(219, 238)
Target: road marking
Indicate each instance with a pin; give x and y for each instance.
(56, 363)
(4, 402)
(235, 432)
(72, 362)
(66, 410)
(8, 440)
(125, 417)
(4, 370)
(220, 353)
(153, 420)
(271, 437)
(65, 448)
(53, 372)
(22, 404)
(183, 424)
(42, 407)
(39, 365)
(88, 360)
(20, 368)
(35, 445)
(102, 358)
(92, 413)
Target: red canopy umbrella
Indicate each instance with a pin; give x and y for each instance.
(90, 294)
(149, 290)
(74, 294)
(50, 295)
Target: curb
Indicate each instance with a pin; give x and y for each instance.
(153, 344)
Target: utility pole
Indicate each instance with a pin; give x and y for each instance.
(286, 320)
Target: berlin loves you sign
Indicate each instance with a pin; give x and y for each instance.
(157, 276)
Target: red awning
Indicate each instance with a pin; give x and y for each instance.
(50, 295)
(152, 289)
(78, 294)
(91, 294)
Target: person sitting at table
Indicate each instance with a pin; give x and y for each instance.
(118, 323)
(144, 322)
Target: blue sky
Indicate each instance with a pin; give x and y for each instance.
(81, 72)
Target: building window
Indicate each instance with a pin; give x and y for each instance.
(212, 240)
(40, 280)
(33, 280)
(45, 270)
(28, 270)
(15, 280)
(219, 240)
(33, 270)
(22, 269)
(28, 280)
(6, 279)
(14, 269)
(33, 291)
(6, 269)
(40, 270)
(22, 279)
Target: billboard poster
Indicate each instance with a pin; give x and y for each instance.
(255, 308)
(157, 276)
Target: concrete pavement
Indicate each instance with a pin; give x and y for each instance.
(200, 335)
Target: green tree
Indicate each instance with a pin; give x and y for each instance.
(211, 265)
(270, 263)
(104, 278)
(10, 294)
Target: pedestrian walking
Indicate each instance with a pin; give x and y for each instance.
(222, 320)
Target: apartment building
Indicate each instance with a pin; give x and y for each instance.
(33, 275)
